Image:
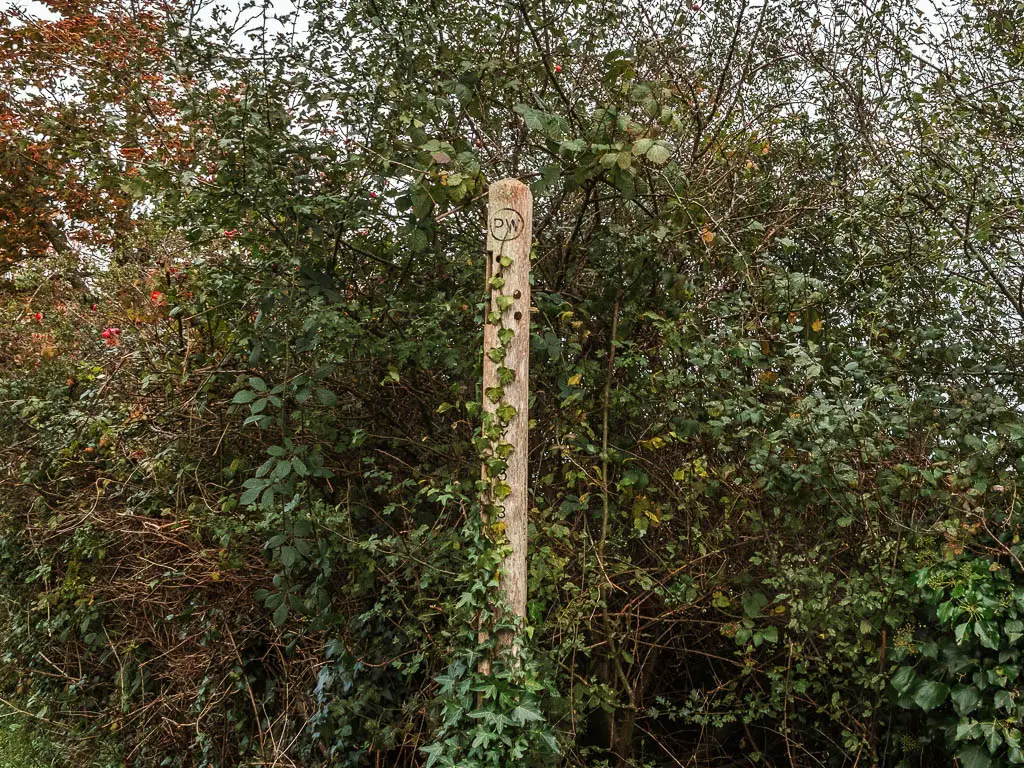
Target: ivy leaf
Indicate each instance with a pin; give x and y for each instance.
(974, 757)
(525, 714)
(988, 633)
(433, 753)
(1003, 700)
(965, 699)
(1014, 630)
(506, 411)
(903, 679)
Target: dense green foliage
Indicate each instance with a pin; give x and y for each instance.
(776, 433)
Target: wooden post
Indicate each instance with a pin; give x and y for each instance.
(506, 378)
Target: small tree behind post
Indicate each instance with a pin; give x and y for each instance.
(506, 381)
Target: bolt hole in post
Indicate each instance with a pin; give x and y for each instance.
(509, 239)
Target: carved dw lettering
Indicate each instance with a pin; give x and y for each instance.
(507, 224)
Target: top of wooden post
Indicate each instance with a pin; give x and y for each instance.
(509, 217)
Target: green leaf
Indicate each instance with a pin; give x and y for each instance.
(244, 396)
(1014, 630)
(903, 679)
(930, 694)
(659, 154)
(288, 556)
(1003, 700)
(433, 753)
(961, 631)
(974, 757)
(535, 119)
(549, 741)
(753, 603)
(526, 714)
(250, 496)
(988, 633)
(993, 734)
(281, 614)
(965, 699)
(506, 411)
(642, 146)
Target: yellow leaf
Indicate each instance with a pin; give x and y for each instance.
(708, 237)
(575, 379)
(816, 326)
(765, 148)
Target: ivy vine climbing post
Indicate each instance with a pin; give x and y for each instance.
(506, 382)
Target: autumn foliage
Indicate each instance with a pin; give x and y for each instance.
(85, 98)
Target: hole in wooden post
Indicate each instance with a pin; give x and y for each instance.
(518, 315)
(517, 295)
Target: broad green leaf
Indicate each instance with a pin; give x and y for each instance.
(659, 154)
(903, 679)
(753, 603)
(929, 694)
(974, 757)
(965, 699)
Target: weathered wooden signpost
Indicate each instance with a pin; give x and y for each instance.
(506, 380)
